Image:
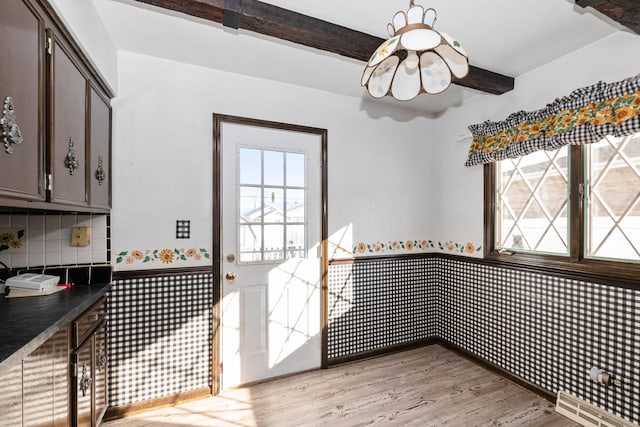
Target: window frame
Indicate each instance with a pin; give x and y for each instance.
(575, 265)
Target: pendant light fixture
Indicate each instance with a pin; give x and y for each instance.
(416, 59)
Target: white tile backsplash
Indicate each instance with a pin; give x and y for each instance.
(52, 222)
(47, 239)
(19, 221)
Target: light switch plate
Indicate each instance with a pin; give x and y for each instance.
(80, 236)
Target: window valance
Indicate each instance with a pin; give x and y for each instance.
(585, 116)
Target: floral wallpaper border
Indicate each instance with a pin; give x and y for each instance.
(363, 248)
(165, 256)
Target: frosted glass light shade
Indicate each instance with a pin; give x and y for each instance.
(415, 59)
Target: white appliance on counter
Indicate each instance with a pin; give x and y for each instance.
(32, 281)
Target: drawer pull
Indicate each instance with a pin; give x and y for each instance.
(85, 381)
(93, 317)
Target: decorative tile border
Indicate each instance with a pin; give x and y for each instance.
(165, 256)
(414, 245)
(11, 238)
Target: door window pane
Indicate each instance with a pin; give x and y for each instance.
(271, 199)
(273, 242)
(250, 243)
(295, 241)
(273, 168)
(250, 204)
(295, 206)
(533, 200)
(250, 166)
(273, 205)
(613, 203)
(295, 169)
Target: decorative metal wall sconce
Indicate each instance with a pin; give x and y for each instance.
(71, 162)
(11, 132)
(100, 173)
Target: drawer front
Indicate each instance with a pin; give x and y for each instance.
(86, 323)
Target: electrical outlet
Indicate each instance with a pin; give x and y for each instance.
(80, 236)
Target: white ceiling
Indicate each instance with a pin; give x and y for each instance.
(506, 36)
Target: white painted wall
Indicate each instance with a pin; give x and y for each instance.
(381, 170)
(82, 20)
(460, 189)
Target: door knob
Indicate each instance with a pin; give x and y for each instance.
(231, 276)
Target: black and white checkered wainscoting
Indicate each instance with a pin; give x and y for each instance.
(375, 304)
(547, 330)
(159, 337)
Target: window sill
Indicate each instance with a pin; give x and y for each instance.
(621, 274)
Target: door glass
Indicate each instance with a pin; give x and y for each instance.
(273, 167)
(295, 169)
(271, 199)
(251, 171)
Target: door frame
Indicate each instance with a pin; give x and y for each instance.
(218, 120)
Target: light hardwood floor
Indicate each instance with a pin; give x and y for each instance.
(429, 386)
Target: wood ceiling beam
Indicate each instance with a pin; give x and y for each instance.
(625, 12)
(273, 21)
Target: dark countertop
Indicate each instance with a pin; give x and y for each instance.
(28, 322)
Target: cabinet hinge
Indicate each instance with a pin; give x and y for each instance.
(74, 369)
(49, 45)
(49, 182)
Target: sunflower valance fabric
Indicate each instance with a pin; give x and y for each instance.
(585, 116)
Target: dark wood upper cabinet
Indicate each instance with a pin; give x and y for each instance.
(55, 136)
(22, 100)
(68, 144)
(100, 151)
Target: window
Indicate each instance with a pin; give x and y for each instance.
(613, 199)
(578, 206)
(533, 202)
(271, 200)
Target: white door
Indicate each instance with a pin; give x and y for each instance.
(271, 239)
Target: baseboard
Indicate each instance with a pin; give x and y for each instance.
(117, 412)
(383, 351)
(545, 394)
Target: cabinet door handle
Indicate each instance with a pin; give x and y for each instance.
(71, 161)
(85, 381)
(101, 358)
(100, 173)
(11, 132)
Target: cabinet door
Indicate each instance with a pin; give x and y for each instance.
(22, 62)
(37, 387)
(83, 383)
(61, 378)
(68, 121)
(101, 366)
(100, 170)
(11, 413)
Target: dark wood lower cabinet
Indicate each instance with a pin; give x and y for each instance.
(62, 383)
(89, 369)
(36, 392)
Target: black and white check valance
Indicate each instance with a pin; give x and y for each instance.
(585, 116)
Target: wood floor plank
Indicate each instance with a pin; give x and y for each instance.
(429, 386)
